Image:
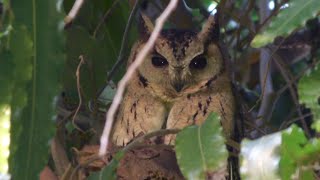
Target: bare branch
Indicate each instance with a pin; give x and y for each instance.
(288, 78)
(74, 11)
(79, 93)
(104, 141)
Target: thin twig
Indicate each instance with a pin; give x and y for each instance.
(290, 83)
(141, 139)
(105, 16)
(288, 77)
(255, 127)
(246, 41)
(74, 11)
(104, 141)
(124, 42)
(266, 76)
(291, 121)
(298, 76)
(79, 93)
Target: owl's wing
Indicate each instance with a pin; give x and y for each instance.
(194, 109)
(138, 113)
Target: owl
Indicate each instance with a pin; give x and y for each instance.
(180, 82)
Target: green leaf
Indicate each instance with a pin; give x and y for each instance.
(297, 151)
(110, 171)
(290, 146)
(307, 174)
(37, 55)
(294, 16)
(201, 149)
(6, 77)
(292, 139)
(309, 93)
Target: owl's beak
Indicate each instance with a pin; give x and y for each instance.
(177, 82)
(178, 86)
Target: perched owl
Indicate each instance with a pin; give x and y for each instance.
(179, 83)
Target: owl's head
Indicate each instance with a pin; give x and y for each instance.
(182, 62)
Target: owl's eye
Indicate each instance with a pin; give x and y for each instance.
(159, 61)
(198, 62)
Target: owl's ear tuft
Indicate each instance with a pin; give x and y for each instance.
(210, 30)
(145, 25)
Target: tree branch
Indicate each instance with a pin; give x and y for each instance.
(73, 12)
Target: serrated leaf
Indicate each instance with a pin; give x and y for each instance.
(37, 56)
(309, 93)
(201, 149)
(110, 171)
(294, 16)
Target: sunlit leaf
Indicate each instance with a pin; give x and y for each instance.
(288, 19)
(281, 154)
(297, 151)
(260, 157)
(309, 93)
(201, 149)
(290, 147)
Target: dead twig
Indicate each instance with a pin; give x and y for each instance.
(73, 12)
(79, 92)
(104, 141)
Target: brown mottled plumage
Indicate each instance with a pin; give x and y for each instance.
(179, 83)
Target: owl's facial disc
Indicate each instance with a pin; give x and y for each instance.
(180, 64)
